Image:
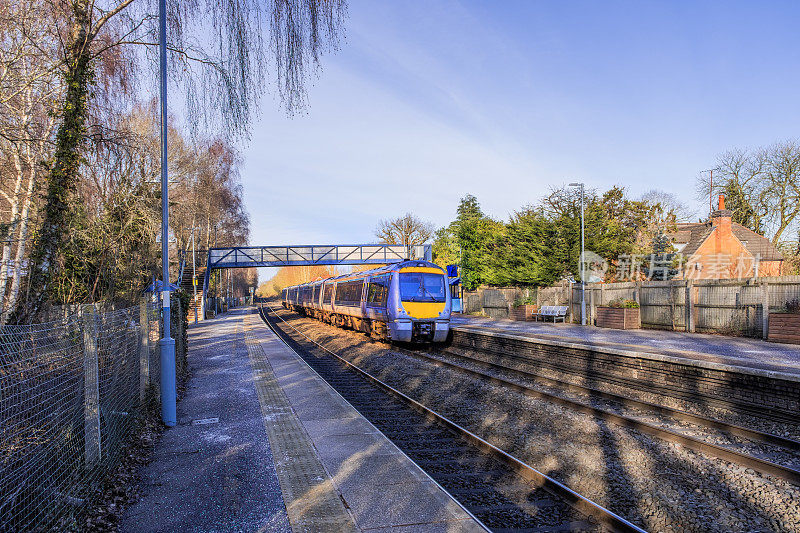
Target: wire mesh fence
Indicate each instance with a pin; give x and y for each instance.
(71, 395)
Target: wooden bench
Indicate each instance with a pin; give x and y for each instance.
(555, 312)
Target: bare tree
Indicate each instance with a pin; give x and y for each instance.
(407, 230)
(29, 89)
(782, 187)
(288, 276)
(739, 175)
(669, 206)
(762, 187)
(226, 78)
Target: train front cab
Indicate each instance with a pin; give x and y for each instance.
(419, 306)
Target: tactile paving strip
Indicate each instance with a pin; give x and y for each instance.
(312, 502)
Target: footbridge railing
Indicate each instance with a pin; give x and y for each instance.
(337, 254)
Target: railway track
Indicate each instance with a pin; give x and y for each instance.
(774, 415)
(781, 445)
(677, 414)
(502, 492)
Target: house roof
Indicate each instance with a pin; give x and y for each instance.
(693, 235)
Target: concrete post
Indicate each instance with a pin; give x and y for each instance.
(592, 310)
(764, 310)
(569, 302)
(157, 357)
(672, 304)
(691, 293)
(144, 351)
(91, 387)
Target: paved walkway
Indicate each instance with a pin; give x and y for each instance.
(213, 471)
(736, 351)
(264, 444)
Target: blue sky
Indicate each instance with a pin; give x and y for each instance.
(427, 101)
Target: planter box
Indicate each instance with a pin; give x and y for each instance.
(618, 318)
(784, 327)
(523, 312)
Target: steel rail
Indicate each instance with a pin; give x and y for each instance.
(581, 503)
(749, 461)
(678, 414)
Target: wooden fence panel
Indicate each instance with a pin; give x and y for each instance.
(727, 307)
(782, 292)
(557, 295)
(731, 307)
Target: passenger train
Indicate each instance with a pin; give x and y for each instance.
(406, 302)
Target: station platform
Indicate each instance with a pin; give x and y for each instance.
(264, 444)
(712, 351)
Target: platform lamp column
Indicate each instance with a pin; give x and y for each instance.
(194, 278)
(167, 343)
(583, 251)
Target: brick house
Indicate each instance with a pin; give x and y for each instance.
(723, 249)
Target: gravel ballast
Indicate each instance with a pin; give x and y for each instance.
(657, 485)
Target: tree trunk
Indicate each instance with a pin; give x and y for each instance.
(14, 201)
(59, 204)
(16, 276)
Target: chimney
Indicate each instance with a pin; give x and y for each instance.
(721, 219)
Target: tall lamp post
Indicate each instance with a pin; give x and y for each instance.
(583, 276)
(711, 190)
(194, 275)
(167, 343)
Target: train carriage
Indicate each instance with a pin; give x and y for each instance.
(406, 302)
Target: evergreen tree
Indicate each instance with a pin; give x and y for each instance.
(478, 238)
(445, 248)
(528, 259)
(661, 264)
(542, 244)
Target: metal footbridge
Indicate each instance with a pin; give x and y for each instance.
(309, 255)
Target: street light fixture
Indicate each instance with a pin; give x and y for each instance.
(583, 276)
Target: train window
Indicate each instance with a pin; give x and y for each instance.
(455, 291)
(349, 292)
(377, 291)
(327, 294)
(422, 287)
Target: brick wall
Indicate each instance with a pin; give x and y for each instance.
(591, 366)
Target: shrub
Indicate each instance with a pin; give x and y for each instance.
(620, 303)
(793, 306)
(526, 300)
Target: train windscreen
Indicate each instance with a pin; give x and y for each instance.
(422, 287)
